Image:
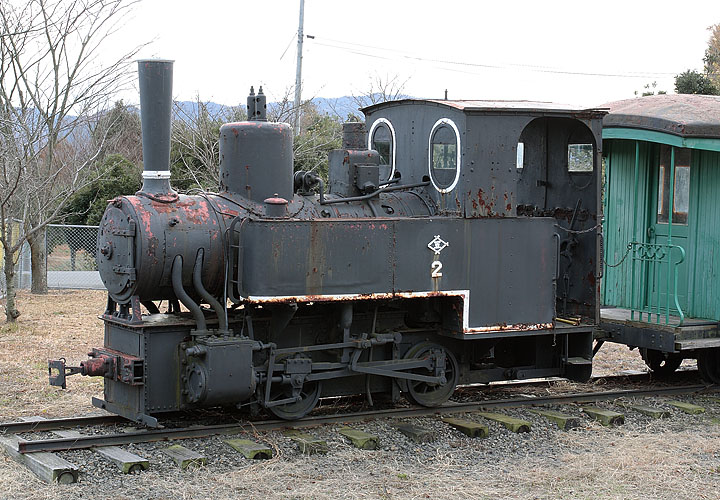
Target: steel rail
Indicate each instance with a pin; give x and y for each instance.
(89, 420)
(58, 423)
(84, 442)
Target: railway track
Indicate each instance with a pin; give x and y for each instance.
(37, 425)
(28, 442)
(150, 435)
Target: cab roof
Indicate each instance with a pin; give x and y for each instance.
(491, 106)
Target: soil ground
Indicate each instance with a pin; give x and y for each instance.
(679, 458)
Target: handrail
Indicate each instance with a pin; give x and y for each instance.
(648, 262)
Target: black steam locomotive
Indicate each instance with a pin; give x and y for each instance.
(460, 247)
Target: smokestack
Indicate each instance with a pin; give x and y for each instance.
(155, 77)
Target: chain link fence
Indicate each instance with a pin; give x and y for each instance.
(23, 273)
(71, 257)
(70, 254)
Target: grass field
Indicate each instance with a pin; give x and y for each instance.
(659, 460)
(60, 324)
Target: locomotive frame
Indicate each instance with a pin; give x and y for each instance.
(453, 244)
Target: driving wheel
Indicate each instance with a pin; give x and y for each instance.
(427, 393)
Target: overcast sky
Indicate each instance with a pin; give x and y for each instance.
(575, 52)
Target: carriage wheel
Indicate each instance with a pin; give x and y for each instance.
(661, 363)
(708, 362)
(429, 394)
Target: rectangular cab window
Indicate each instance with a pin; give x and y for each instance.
(580, 157)
(520, 162)
(681, 187)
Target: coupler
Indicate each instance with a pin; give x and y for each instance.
(102, 363)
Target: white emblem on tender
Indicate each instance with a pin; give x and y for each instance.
(437, 244)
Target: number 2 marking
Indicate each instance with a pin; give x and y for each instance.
(436, 269)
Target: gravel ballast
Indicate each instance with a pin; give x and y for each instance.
(670, 458)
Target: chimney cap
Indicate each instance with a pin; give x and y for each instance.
(156, 60)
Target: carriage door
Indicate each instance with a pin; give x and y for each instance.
(667, 252)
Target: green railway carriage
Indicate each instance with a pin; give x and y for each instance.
(660, 288)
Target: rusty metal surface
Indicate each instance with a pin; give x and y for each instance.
(686, 115)
(138, 261)
(486, 264)
(256, 160)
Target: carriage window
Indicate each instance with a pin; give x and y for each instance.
(681, 190)
(520, 162)
(444, 155)
(580, 157)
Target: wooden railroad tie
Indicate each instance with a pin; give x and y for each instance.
(605, 417)
(307, 443)
(650, 411)
(563, 421)
(185, 457)
(126, 461)
(511, 423)
(688, 408)
(360, 439)
(250, 449)
(47, 466)
(468, 427)
(416, 434)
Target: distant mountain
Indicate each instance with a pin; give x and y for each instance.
(183, 110)
(338, 107)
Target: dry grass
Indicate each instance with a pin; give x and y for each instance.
(661, 461)
(614, 358)
(594, 464)
(60, 324)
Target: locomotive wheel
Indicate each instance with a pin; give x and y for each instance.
(708, 362)
(310, 394)
(661, 363)
(428, 394)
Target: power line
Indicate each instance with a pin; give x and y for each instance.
(350, 47)
(288, 45)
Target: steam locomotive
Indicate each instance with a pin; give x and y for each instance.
(455, 242)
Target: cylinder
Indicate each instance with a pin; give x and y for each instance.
(155, 78)
(256, 160)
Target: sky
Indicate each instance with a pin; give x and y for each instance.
(573, 52)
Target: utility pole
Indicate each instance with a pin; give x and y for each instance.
(298, 73)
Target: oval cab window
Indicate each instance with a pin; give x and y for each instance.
(444, 155)
(382, 140)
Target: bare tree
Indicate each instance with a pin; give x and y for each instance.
(381, 89)
(52, 92)
(319, 133)
(196, 130)
(195, 140)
